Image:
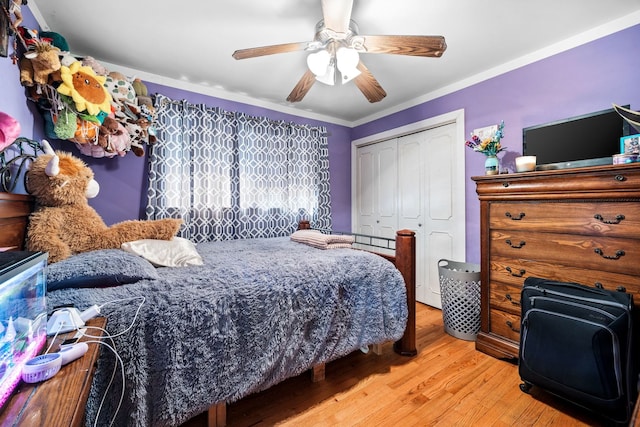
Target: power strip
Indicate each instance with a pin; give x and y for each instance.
(69, 319)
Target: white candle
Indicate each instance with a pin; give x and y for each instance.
(525, 163)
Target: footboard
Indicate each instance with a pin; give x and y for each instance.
(404, 258)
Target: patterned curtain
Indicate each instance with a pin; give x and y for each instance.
(230, 176)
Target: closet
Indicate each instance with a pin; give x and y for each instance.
(415, 181)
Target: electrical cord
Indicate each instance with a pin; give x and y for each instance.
(135, 317)
(113, 375)
(107, 335)
(98, 340)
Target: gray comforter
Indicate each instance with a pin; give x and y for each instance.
(259, 311)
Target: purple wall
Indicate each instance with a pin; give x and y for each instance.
(585, 79)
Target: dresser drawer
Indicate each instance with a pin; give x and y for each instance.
(610, 254)
(513, 271)
(577, 184)
(505, 324)
(505, 297)
(616, 219)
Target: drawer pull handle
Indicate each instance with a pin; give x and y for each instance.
(517, 217)
(505, 184)
(620, 178)
(618, 219)
(519, 273)
(510, 298)
(510, 325)
(517, 246)
(619, 253)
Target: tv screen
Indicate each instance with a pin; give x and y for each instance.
(586, 140)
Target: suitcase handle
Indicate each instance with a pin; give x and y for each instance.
(535, 282)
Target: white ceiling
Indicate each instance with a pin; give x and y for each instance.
(188, 44)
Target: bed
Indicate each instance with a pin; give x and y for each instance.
(257, 312)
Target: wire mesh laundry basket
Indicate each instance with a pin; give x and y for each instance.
(460, 294)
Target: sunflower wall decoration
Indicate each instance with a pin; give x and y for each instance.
(85, 88)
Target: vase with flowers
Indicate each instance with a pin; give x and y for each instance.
(489, 146)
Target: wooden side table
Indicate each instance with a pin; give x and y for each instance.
(61, 400)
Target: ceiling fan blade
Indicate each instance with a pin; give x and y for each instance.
(337, 14)
(368, 85)
(432, 46)
(269, 50)
(302, 87)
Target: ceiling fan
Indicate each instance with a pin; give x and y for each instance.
(335, 52)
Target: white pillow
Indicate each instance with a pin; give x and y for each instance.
(178, 252)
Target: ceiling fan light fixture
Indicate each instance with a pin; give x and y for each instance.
(347, 60)
(328, 78)
(318, 62)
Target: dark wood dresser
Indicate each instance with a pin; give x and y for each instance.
(574, 225)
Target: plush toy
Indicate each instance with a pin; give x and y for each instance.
(64, 224)
(142, 93)
(96, 66)
(85, 88)
(86, 132)
(37, 64)
(65, 124)
(119, 87)
(66, 59)
(55, 39)
(108, 128)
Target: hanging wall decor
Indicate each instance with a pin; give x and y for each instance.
(104, 113)
(4, 28)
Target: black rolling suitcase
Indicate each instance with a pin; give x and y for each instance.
(577, 343)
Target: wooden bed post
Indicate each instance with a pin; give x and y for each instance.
(304, 225)
(217, 416)
(405, 262)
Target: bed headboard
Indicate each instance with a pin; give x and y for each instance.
(14, 214)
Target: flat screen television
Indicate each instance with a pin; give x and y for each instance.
(23, 314)
(588, 140)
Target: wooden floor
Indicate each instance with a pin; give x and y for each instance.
(447, 383)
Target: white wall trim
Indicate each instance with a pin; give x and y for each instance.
(456, 116)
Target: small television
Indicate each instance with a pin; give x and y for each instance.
(587, 140)
(23, 314)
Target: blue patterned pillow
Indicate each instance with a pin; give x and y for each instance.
(96, 269)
